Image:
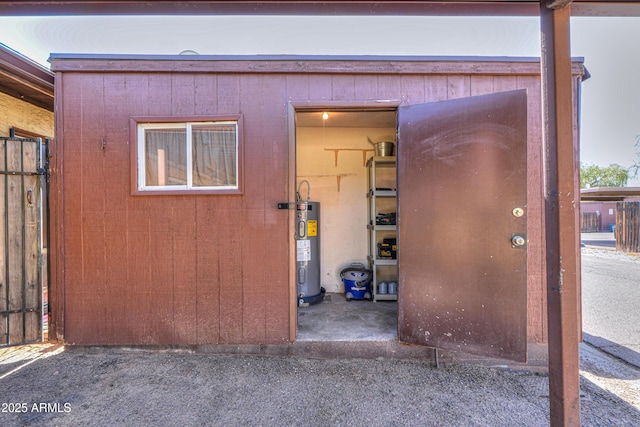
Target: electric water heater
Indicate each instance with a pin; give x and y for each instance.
(308, 252)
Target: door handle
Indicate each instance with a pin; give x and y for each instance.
(29, 193)
(519, 240)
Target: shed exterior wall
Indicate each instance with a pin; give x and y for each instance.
(214, 269)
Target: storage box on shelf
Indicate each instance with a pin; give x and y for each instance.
(381, 224)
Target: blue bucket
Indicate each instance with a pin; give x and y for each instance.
(357, 282)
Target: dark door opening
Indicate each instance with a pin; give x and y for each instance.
(332, 148)
(450, 295)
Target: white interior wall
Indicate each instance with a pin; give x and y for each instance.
(341, 190)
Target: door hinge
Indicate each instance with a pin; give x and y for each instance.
(286, 205)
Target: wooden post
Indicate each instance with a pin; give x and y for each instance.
(561, 207)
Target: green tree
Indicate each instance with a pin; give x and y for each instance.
(634, 169)
(603, 176)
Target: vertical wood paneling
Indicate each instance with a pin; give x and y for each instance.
(3, 254)
(205, 102)
(15, 253)
(505, 83)
(320, 87)
(56, 238)
(253, 278)
(19, 251)
(228, 94)
(458, 86)
(155, 233)
(231, 280)
(535, 212)
(209, 252)
(628, 227)
(365, 87)
(297, 87)
(32, 289)
(118, 107)
(114, 155)
(70, 188)
(183, 256)
(215, 269)
(536, 300)
(77, 290)
(93, 202)
(258, 150)
(412, 89)
(181, 217)
(435, 88)
(208, 249)
(182, 94)
(159, 95)
(576, 190)
(481, 85)
(224, 216)
(343, 87)
(275, 249)
(388, 87)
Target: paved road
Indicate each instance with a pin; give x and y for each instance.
(600, 243)
(600, 240)
(611, 302)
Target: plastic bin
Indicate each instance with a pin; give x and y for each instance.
(357, 282)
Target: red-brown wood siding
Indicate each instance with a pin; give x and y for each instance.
(214, 269)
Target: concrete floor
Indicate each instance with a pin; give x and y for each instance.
(335, 319)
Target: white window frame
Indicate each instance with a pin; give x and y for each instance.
(142, 124)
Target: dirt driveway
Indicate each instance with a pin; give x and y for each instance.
(49, 385)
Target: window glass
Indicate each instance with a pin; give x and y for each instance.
(214, 155)
(165, 157)
(188, 156)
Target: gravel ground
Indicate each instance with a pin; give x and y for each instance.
(126, 387)
(48, 385)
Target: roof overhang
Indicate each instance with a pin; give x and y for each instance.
(327, 7)
(608, 194)
(24, 79)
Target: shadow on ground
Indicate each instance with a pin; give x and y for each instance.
(133, 387)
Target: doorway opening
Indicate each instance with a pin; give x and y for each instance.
(334, 151)
(463, 178)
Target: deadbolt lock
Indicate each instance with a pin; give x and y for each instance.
(518, 212)
(518, 240)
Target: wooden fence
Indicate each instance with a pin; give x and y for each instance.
(628, 226)
(590, 222)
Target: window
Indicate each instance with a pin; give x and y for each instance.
(188, 156)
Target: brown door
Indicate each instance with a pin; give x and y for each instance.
(462, 203)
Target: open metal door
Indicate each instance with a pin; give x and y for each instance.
(462, 209)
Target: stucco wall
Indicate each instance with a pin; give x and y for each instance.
(17, 113)
(606, 212)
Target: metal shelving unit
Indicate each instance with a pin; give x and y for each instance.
(381, 195)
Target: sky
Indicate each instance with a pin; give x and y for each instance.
(610, 109)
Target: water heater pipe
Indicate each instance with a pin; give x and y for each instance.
(308, 189)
